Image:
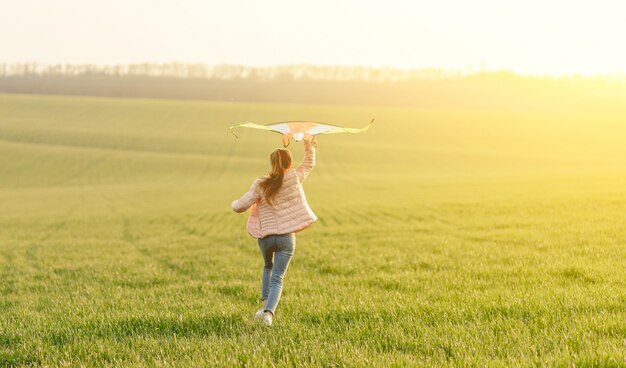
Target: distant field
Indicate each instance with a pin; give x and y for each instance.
(445, 237)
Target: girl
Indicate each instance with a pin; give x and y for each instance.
(278, 209)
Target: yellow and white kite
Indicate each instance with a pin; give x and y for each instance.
(298, 130)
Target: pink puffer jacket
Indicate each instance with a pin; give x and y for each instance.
(290, 211)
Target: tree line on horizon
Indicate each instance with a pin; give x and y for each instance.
(341, 85)
(231, 71)
(290, 72)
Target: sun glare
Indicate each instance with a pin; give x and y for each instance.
(535, 37)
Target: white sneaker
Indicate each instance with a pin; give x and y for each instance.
(267, 319)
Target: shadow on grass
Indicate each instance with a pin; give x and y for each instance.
(9, 340)
(596, 361)
(152, 327)
(238, 293)
(9, 356)
(366, 317)
(575, 275)
(17, 360)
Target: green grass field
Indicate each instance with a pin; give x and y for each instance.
(445, 238)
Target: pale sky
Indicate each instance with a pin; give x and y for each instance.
(531, 36)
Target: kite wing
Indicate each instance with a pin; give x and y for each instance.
(331, 129)
(272, 127)
(299, 129)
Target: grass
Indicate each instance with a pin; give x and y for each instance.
(445, 238)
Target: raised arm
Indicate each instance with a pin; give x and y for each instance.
(248, 199)
(308, 163)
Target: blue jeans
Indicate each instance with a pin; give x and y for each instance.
(281, 248)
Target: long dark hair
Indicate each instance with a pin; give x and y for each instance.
(281, 161)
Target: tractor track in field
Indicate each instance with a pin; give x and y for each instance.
(212, 163)
(129, 236)
(392, 216)
(232, 149)
(8, 277)
(360, 214)
(60, 222)
(108, 150)
(21, 265)
(90, 165)
(165, 262)
(189, 226)
(224, 219)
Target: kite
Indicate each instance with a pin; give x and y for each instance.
(298, 130)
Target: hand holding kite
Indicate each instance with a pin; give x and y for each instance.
(298, 130)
